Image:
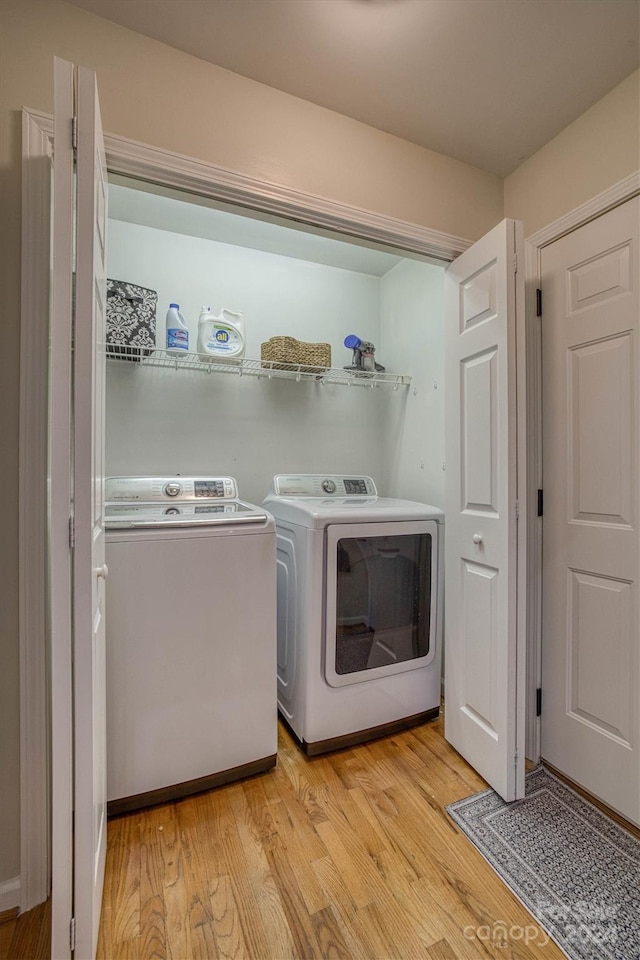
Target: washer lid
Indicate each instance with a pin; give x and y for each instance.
(182, 514)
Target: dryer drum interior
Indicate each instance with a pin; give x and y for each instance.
(383, 601)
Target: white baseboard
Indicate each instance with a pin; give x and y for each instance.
(9, 894)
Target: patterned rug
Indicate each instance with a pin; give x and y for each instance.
(572, 867)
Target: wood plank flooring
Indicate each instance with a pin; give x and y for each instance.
(348, 855)
(27, 937)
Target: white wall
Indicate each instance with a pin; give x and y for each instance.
(597, 150)
(168, 421)
(412, 328)
(278, 295)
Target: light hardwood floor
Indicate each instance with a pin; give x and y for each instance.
(349, 855)
(27, 937)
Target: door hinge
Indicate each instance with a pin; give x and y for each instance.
(515, 263)
(538, 302)
(72, 532)
(539, 702)
(540, 503)
(517, 509)
(74, 133)
(72, 934)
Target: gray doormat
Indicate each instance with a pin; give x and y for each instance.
(572, 867)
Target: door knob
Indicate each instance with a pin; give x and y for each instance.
(477, 538)
(102, 571)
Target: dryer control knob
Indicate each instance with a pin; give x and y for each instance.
(172, 489)
(328, 486)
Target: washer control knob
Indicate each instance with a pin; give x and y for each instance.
(477, 538)
(172, 489)
(328, 486)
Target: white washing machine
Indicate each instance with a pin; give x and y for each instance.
(360, 602)
(191, 638)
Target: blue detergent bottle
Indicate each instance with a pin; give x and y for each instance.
(177, 332)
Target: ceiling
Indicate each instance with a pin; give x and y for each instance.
(485, 81)
(150, 205)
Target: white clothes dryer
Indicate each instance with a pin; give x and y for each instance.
(191, 638)
(360, 600)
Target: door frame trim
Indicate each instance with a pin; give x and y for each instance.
(131, 158)
(155, 165)
(33, 886)
(615, 195)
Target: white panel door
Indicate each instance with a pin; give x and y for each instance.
(484, 651)
(60, 556)
(77, 561)
(590, 724)
(89, 571)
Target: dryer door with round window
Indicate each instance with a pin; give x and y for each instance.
(381, 593)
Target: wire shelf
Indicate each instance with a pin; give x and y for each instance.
(263, 369)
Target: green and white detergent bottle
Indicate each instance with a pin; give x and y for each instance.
(221, 338)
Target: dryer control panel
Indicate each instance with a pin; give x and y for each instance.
(166, 489)
(318, 485)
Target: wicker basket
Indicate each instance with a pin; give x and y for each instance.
(283, 351)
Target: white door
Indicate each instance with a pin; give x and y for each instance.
(484, 647)
(60, 555)
(89, 570)
(590, 725)
(84, 441)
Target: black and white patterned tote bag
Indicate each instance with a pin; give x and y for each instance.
(131, 320)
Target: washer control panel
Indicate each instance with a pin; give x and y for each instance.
(316, 485)
(163, 489)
